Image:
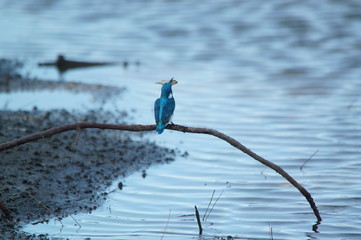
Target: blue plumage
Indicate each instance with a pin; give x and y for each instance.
(164, 106)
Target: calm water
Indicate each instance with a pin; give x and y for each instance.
(282, 77)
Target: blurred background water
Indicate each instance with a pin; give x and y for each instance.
(282, 77)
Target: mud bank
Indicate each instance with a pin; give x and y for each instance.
(67, 173)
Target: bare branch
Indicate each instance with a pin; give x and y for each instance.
(175, 127)
(75, 126)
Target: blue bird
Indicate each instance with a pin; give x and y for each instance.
(164, 106)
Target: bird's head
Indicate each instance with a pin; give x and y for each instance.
(167, 87)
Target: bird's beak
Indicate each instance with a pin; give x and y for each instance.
(162, 82)
(167, 81)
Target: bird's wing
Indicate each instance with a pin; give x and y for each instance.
(168, 110)
(156, 110)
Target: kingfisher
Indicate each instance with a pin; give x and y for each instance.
(165, 105)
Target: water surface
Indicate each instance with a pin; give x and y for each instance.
(282, 77)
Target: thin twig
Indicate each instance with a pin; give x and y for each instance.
(166, 226)
(262, 173)
(73, 145)
(214, 204)
(209, 204)
(198, 221)
(174, 127)
(301, 167)
(76, 222)
(42, 204)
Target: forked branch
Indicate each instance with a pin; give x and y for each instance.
(175, 127)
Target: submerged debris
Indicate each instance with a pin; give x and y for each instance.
(63, 64)
(12, 81)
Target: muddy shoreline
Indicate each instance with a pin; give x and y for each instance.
(67, 173)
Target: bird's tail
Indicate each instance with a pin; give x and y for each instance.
(160, 128)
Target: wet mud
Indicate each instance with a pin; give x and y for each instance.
(67, 173)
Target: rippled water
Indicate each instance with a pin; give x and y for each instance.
(282, 77)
